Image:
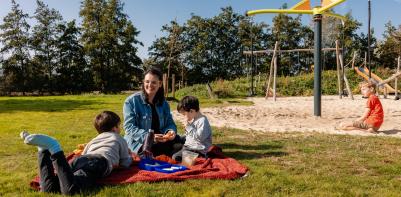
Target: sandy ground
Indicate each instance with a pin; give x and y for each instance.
(289, 114)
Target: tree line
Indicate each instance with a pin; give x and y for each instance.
(59, 56)
(101, 53)
(206, 49)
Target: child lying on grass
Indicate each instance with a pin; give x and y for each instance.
(108, 150)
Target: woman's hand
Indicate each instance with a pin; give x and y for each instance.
(170, 135)
(159, 138)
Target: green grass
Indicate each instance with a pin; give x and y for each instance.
(280, 164)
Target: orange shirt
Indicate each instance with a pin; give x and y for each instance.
(376, 114)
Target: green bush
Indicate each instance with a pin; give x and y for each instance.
(300, 85)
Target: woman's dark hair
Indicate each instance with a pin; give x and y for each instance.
(106, 121)
(187, 103)
(159, 97)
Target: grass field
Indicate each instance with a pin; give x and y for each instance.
(280, 164)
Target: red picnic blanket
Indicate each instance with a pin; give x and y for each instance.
(216, 166)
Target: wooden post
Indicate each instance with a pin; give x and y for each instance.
(167, 82)
(338, 69)
(385, 92)
(348, 87)
(366, 54)
(271, 70)
(182, 76)
(353, 60)
(345, 78)
(393, 77)
(247, 67)
(165, 85)
(274, 79)
(210, 91)
(396, 80)
(173, 85)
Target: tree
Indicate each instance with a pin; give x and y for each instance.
(44, 43)
(169, 51)
(109, 40)
(291, 34)
(126, 61)
(214, 47)
(390, 47)
(254, 36)
(14, 36)
(73, 74)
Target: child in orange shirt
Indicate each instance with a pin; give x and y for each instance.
(372, 118)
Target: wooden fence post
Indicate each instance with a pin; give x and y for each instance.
(173, 85)
(165, 85)
(210, 91)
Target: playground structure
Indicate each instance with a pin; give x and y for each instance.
(273, 65)
(382, 85)
(304, 7)
(364, 73)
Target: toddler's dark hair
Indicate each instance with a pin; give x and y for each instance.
(105, 121)
(187, 103)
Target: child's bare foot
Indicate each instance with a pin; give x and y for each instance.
(371, 130)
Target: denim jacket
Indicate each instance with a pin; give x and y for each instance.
(138, 119)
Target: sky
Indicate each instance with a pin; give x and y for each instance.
(148, 16)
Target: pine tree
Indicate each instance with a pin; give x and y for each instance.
(73, 74)
(109, 40)
(14, 36)
(44, 43)
(125, 62)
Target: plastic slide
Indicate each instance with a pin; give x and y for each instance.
(364, 72)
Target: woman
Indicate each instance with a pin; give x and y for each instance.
(147, 110)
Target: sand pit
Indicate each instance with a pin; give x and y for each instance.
(295, 114)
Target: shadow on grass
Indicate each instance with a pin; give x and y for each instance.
(252, 151)
(391, 131)
(232, 101)
(45, 105)
(241, 155)
(250, 147)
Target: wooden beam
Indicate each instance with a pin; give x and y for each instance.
(393, 77)
(285, 51)
(353, 60)
(173, 85)
(165, 85)
(338, 70)
(271, 70)
(346, 79)
(396, 80)
(274, 79)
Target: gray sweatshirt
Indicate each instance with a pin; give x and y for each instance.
(199, 134)
(111, 146)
